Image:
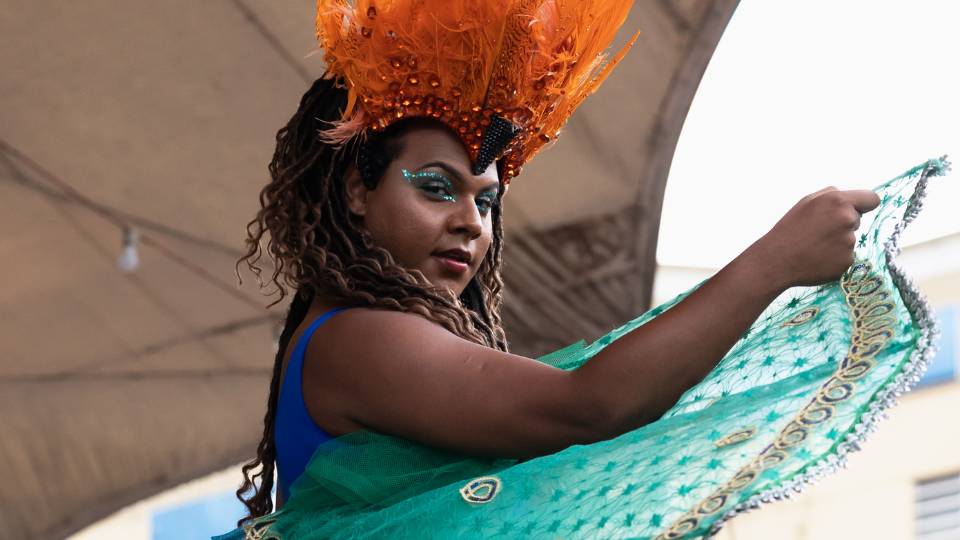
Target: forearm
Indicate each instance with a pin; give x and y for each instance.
(643, 373)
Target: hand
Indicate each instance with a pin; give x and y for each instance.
(813, 243)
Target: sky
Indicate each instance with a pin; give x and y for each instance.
(802, 95)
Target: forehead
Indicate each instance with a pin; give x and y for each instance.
(428, 143)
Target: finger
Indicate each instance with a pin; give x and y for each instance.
(852, 219)
(821, 192)
(863, 200)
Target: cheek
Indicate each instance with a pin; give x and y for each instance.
(406, 228)
(484, 245)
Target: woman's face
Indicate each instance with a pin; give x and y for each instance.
(429, 211)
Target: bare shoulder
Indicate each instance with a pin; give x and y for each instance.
(362, 328)
(355, 341)
(401, 374)
(353, 350)
(361, 336)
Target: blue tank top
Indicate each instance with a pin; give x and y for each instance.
(295, 433)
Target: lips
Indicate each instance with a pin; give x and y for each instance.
(455, 261)
(459, 255)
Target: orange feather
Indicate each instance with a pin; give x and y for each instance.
(531, 62)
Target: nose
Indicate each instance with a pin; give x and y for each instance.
(466, 219)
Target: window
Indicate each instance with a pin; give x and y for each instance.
(937, 506)
(944, 364)
(197, 519)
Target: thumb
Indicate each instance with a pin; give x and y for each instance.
(863, 200)
(820, 192)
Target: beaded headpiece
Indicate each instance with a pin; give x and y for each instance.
(503, 74)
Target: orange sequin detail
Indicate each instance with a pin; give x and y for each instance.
(530, 61)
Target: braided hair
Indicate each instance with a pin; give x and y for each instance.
(318, 246)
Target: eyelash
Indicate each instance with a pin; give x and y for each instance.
(435, 189)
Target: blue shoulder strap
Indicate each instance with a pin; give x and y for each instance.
(305, 338)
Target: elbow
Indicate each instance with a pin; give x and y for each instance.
(600, 416)
(613, 420)
(604, 422)
(586, 423)
(605, 414)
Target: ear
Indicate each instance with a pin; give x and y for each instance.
(356, 193)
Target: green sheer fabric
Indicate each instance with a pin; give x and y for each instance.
(797, 393)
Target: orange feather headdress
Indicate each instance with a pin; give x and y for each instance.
(503, 74)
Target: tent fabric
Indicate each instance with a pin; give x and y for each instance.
(160, 117)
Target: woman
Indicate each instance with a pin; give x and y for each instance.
(391, 240)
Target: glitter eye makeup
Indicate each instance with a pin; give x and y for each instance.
(438, 186)
(433, 183)
(486, 202)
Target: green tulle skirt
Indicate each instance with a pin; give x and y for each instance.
(791, 399)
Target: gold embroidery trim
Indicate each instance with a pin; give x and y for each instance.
(872, 328)
(259, 529)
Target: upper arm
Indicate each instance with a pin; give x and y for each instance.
(402, 375)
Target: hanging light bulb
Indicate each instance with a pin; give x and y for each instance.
(129, 259)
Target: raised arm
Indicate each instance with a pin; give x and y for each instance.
(399, 374)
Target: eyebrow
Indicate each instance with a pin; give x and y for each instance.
(452, 171)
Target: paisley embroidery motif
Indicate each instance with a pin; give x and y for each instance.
(736, 437)
(804, 316)
(481, 490)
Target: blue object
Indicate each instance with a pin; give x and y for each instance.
(944, 365)
(295, 433)
(197, 519)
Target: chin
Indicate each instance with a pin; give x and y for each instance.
(456, 283)
(455, 287)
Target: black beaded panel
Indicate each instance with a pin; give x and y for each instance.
(495, 139)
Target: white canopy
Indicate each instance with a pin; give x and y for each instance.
(161, 116)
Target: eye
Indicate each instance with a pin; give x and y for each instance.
(439, 190)
(485, 204)
(434, 184)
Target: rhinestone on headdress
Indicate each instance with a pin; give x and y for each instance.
(504, 75)
(498, 135)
